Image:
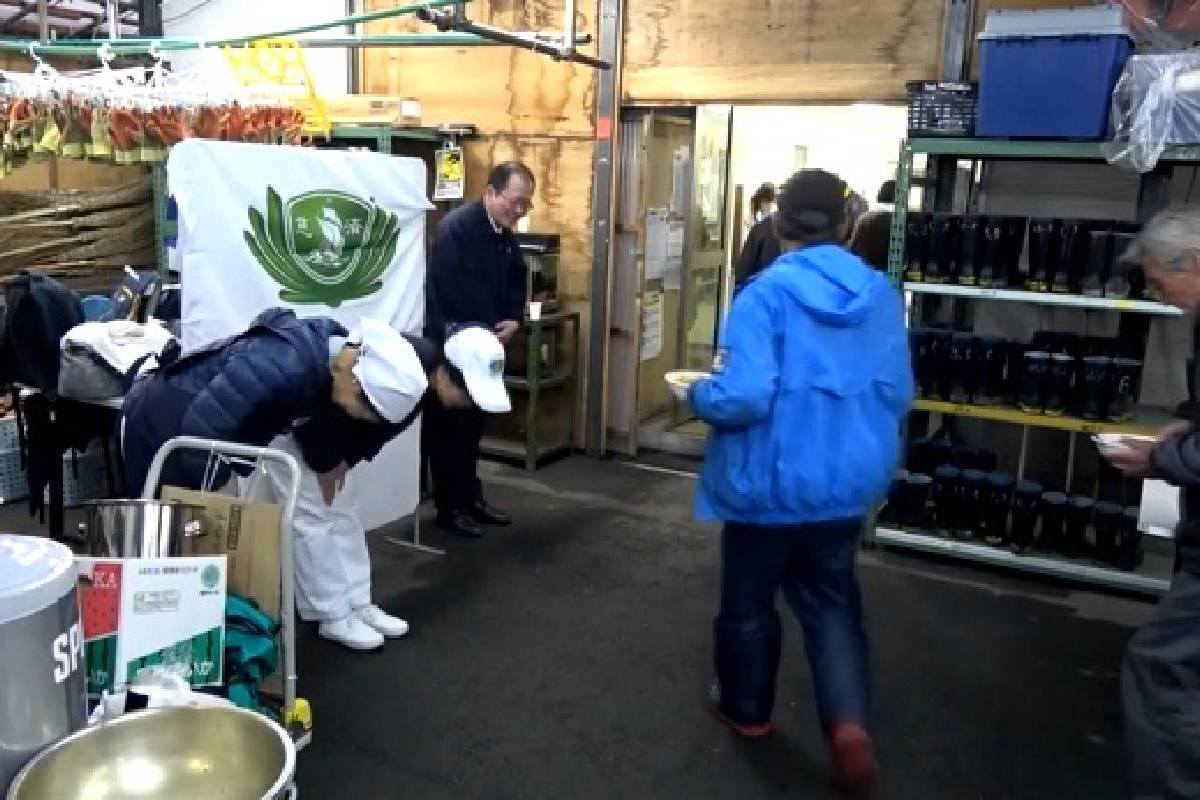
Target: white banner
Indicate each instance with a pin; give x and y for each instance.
(324, 232)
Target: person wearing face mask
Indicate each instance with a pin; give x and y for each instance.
(330, 397)
(476, 276)
(762, 203)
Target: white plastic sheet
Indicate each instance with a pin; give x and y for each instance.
(1156, 104)
(310, 214)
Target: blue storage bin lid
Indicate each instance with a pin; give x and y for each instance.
(1102, 20)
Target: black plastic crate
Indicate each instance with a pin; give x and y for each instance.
(936, 108)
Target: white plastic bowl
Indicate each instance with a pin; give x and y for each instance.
(1111, 444)
(680, 380)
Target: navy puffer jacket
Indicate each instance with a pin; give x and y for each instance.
(247, 389)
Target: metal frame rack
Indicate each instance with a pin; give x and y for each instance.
(531, 448)
(939, 181)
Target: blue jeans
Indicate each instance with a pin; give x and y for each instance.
(814, 566)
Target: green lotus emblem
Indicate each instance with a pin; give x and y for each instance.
(210, 576)
(323, 247)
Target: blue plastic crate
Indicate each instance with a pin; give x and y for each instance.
(1050, 74)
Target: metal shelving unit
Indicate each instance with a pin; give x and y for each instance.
(1044, 298)
(381, 136)
(531, 446)
(938, 183)
(1002, 149)
(1140, 582)
(1146, 421)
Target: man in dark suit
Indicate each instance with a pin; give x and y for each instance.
(476, 277)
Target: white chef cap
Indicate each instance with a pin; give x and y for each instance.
(388, 370)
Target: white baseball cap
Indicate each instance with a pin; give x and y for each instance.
(479, 356)
(388, 369)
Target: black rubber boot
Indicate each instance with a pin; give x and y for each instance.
(1027, 503)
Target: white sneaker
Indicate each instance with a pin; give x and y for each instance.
(351, 632)
(379, 620)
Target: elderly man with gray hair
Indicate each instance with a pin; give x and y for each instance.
(1161, 674)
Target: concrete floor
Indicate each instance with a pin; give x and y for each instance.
(568, 656)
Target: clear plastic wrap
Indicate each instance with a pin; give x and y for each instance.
(1164, 26)
(1156, 104)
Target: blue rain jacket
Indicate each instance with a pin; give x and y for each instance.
(813, 383)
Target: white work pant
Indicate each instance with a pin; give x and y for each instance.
(333, 568)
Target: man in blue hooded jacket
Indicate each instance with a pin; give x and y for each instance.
(806, 408)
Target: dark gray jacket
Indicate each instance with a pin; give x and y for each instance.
(1177, 461)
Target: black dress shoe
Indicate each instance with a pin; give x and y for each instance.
(487, 514)
(460, 523)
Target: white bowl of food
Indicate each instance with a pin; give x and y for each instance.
(1110, 444)
(681, 380)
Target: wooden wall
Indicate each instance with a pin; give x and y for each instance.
(526, 106)
(778, 50)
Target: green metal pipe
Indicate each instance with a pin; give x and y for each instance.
(142, 45)
(432, 39)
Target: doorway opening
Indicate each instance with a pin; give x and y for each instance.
(685, 180)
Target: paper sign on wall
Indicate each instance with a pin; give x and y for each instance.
(657, 222)
(681, 182)
(664, 247)
(451, 174)
(674, 272)
(652, 325)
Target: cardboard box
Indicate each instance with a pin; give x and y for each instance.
(374, 109)
(158, 613)
(247, 533)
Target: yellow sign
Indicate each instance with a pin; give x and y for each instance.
(451, 174)
(280, 64)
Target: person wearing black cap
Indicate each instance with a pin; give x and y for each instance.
(805, 413)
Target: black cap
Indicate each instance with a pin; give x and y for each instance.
(812, 201)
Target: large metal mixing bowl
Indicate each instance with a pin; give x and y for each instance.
(166, 754)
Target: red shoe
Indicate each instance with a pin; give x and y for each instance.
(852, 757)
(755, 731)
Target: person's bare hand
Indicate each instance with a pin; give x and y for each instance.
(1134, 458)
(1173, 429)
(506, 329)
(332, 482)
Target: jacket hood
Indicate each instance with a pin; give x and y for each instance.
(828, 281)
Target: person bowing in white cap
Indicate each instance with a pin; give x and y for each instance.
(330, 397)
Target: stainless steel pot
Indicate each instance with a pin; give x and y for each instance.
(166, 754)
(140, 528)
(42, 690)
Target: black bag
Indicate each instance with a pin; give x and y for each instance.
(39, 311)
